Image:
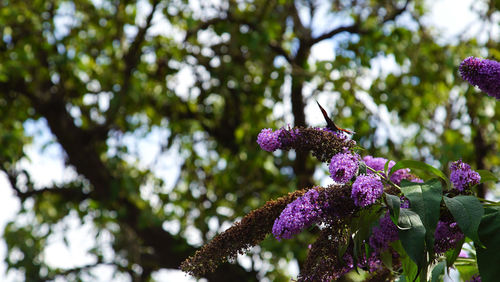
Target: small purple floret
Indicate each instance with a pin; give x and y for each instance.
(383, 234)
(299, 214)
(366, 189)
(405, 203)
(378, 164)
(446, 236)
(288, 136)
(343, 167)
(269, 140)
(372, 263)
(462, 176)
(348, 265)
(482, 73)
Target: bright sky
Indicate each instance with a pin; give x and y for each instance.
(452, 17)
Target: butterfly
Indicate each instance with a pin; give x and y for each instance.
(330, 124)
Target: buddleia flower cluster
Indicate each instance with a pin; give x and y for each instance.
(482, 73)
(376, 216)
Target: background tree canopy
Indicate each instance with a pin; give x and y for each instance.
(201, 79)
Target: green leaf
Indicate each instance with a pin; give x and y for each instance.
(419, 165)
(488, 258)
(425, 200)
(438, 271)
(362, 224)
(386, 167)
(467, 212)
(386, 258)
(394, 204)
(410, 268)
(487, 175)
(467, 271)
(412, 235)
(362, 168)
(452, 255)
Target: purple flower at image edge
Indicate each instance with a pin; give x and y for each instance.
(482, 73)
(462, 176)
(298, 215)
(269, 140)
(475, 278)
(366, 189)
(343, 167)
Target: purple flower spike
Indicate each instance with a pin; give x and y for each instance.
(462, 176)
(343, 167)
(269, 140)
(405, 203)
(366, 190)
(447, 236)
(298, 215)
(482, 73)
(400, 174)
(383, 234)
(372, 263)
(378, 164)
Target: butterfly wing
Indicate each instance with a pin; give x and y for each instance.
(330, 124)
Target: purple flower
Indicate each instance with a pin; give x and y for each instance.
(298, 215)
(415, 179)
(475, 278)
(287, 137)
(372, 263)
(366, 189)
(463, 254)
(462, 176)
(482, 73)
(346, 266)
(378, 164)
(400, 174)
(383, 234)
(343, 167)
(405, 202)
(447, 236)
(269, 140)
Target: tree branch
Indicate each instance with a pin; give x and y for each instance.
(131, 59)
(355, 28)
